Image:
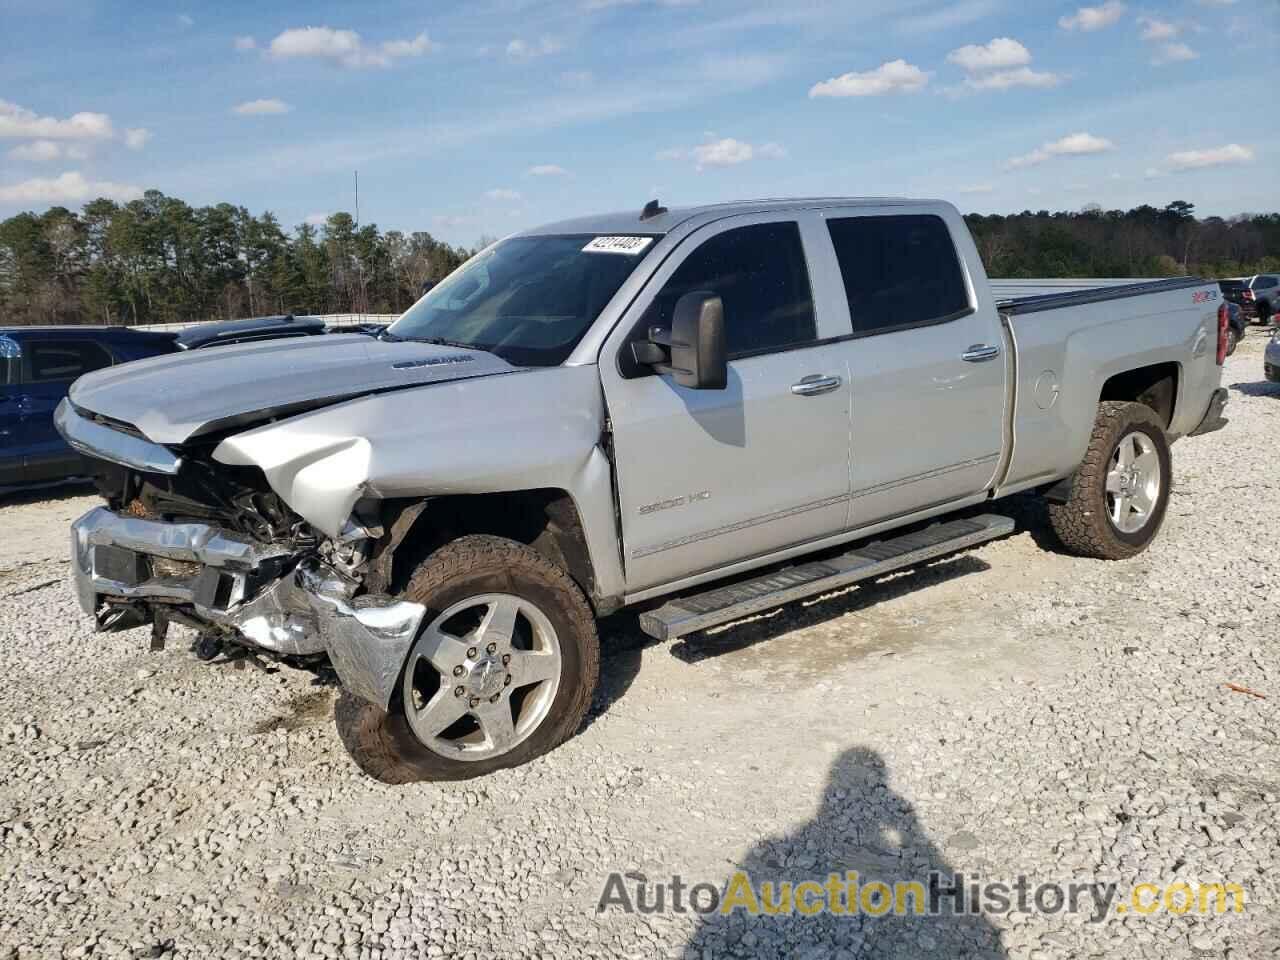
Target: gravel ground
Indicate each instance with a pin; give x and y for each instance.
(1008, 712)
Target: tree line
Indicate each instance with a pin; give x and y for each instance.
(160, 260)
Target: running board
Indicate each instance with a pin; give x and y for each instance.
(724, 604)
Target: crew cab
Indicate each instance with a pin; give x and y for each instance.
(693, 413)
(39, 363)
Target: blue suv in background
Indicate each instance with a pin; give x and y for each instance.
(39, 364)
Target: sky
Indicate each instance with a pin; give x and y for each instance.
(490, 116)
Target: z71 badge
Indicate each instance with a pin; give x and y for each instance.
(674, 502)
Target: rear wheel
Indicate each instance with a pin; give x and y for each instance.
(502, 671)
(1121, 489)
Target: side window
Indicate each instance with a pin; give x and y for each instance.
(64, 360)
(760, 273)
(898, 271)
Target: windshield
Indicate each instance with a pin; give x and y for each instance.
(528, 299)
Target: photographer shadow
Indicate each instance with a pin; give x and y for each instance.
(863, 827)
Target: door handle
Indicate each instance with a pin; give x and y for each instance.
(980, 352)
(814, 385)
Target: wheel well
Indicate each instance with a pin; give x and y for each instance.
(1156, 386)
(545, 519)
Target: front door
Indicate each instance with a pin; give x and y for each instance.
(708, 478)
(50, 367)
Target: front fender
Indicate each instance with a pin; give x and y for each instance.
(535, 429)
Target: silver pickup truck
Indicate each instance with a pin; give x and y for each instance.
(697, 413)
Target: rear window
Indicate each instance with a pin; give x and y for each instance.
(898, 271)
(1264, 283)
(1230, 286)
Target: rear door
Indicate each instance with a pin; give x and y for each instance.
(926, 358)
(709, 478)
(49, 368)
(10, 411)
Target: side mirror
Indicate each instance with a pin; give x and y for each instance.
(693, 350)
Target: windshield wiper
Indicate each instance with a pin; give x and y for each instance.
(437, 341)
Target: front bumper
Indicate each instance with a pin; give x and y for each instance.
(129, 564)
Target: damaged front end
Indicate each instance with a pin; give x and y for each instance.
(186, 540)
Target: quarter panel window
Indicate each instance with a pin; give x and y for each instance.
(760, 274)
(898, 271)
(10, 362)
(59, 361)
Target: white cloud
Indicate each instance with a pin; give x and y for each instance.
(1216, 3)
(999, 53)
(1075, 144)
(607, 4)
(1087, 19)
(317, 219)
(1228, 155)
(547, 170)
(38, 151)
(409, 48)
(1174, 53)
(258, 108)
(729, 152)
(895, 76)
(19, 122)
(135, 138)
(68, 187)
(948, 17)
(345, 47)
(1007, 79)
(452, 220)
(502, 193)
(186, 20)
(977, 188)
(244, 43)
(1156, 29)
(726, 152)
(723, 152)
(528, 49)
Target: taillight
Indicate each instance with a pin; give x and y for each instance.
(1247, 295)
(1224, 320)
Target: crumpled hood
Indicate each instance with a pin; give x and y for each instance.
(175, 397)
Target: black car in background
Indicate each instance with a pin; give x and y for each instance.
(39, 364)
(1257, 296)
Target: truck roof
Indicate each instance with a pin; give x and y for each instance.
(629, 221)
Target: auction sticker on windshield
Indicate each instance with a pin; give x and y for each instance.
(627, 245)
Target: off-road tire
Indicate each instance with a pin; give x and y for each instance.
(382, 743)
(1082, 523)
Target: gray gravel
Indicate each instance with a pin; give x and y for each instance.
(1010, 711)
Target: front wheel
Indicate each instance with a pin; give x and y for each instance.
(502, 671)
(1121, 489)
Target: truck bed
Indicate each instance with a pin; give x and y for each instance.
(1016, 297)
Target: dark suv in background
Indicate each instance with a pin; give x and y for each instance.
(1258, 296)
(39, 364)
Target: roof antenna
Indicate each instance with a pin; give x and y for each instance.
(652, 209)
